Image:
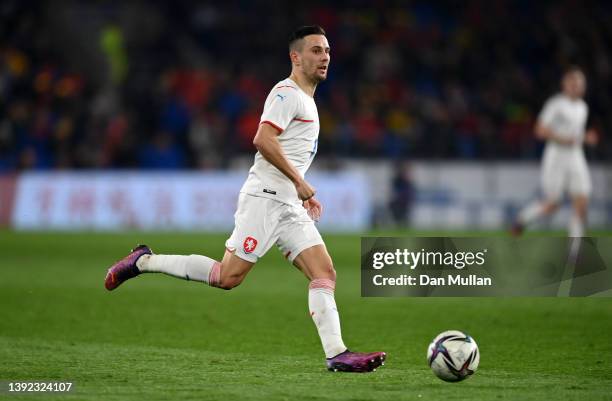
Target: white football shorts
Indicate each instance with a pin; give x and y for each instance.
(561, 174)
(262, 222)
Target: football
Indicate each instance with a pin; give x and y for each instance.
(453, 356)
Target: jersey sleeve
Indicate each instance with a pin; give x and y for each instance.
(281, 109)
(547, 115)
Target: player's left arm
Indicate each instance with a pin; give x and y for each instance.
(591, 137)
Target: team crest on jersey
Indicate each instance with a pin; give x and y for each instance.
(250, 244)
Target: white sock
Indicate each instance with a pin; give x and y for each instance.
(531, 213)
(324, 313)
(192, 267)
(576, 226)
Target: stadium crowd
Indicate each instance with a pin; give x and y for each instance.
(182, 84)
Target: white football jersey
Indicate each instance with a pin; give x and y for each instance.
(564, 168)
(567, 118)
(294, 114)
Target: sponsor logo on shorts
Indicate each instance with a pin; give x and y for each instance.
(250, 244)
(269, 191)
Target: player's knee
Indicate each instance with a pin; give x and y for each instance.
(581, 212)
(327, 271)
(551, 206)
(229, 282)
(580, 207)
(332, 272)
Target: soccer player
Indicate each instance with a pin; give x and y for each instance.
(276, 205)
(562, 125)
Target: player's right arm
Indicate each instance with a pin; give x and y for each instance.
(282, 106)
(266, 142)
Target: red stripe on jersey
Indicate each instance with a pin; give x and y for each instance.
(286, 86)
(272, 124)
(304, 121)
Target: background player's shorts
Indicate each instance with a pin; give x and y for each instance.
(262, 222)
(560, 174)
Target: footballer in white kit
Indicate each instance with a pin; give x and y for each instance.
(562, 124)
(276, 206)
(269, 209)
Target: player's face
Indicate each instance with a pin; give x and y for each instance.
(314, 57)
(574, 84)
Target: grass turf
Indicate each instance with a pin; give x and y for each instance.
(159, 338)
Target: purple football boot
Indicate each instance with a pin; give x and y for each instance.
(356, 361)
(126, 268)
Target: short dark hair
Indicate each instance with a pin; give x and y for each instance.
(572, 68)
(301, 32)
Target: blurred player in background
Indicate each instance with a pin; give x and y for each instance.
(562, 125)
(276, 206)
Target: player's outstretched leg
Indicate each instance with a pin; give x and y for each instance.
(532, 213)
(317, 265)
(226, 274)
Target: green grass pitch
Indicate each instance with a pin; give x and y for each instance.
(159, 338)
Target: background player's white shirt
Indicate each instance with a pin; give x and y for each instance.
(293, 113)
(564, 167)
(567, 118)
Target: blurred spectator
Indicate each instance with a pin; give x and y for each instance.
(162, 153)
(402, 194)
(112, 44)
(203, 139)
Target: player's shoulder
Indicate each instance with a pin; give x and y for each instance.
(556, 99)
(285, 91)
(286, 85)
